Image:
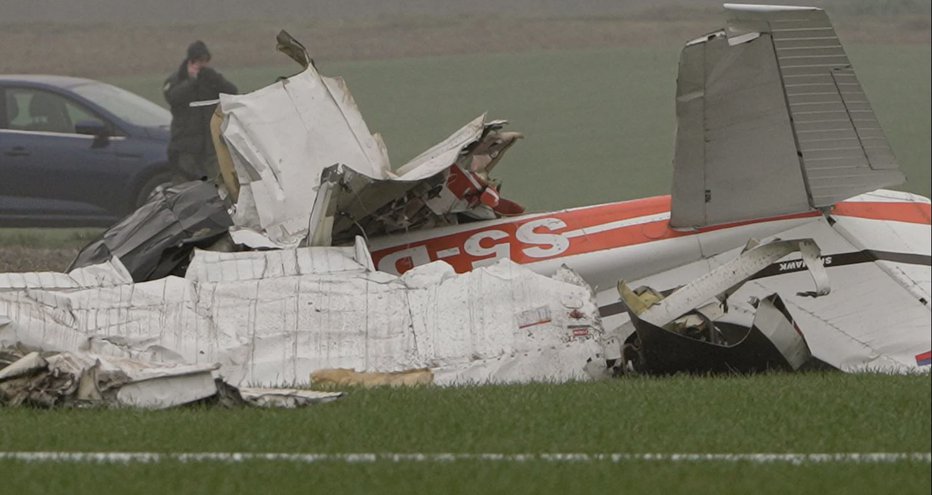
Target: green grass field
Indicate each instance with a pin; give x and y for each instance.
(811, 413)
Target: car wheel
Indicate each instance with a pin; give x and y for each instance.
(156, 182)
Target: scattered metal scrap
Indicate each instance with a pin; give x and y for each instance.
(158, 238)
(333, 180)
(683, 331)
(82, 379)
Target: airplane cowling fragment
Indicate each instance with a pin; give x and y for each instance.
(681, 332)
(158, 238)
(772, 343)
(286, 140)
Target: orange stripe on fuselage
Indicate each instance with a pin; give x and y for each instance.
(898, 212)
(530, 239)
(508, 236)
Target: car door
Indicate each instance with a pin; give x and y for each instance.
(18, 198)
(49, 172)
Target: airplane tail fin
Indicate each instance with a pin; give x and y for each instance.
(772, 120)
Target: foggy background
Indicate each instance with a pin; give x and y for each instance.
(201, 11)
(96, 38)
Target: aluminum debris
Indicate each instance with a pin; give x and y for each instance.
(686, 331)
(301, 150)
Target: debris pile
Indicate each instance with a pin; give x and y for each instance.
(82, 379)
(266, 278)
(685, 331)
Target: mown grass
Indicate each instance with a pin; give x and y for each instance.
(474, 477)
(805, 413)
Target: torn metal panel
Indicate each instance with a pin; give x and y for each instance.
(274, 319)
(725, 279)
(157, 239)
(771, 343)
(167, 391)
(356, 205)
(27, 365)
(771, 120)
(684, 331)
(281, 137)
(305, 132)
(431, 191)
(876, 318)
(224, 159)
(286, 44)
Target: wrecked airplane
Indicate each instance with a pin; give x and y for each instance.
(318, 259)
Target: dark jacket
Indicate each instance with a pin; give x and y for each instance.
(191, 125)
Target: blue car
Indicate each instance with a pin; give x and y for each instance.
(77, 152)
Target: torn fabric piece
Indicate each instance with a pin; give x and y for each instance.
(81, 379)
(280, 315)
(70, 379)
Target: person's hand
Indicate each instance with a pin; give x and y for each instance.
(208, 75)
(194, 68)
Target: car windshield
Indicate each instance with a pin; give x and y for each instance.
(129, 107)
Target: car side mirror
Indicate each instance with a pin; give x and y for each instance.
(95, 128)
(92, 128)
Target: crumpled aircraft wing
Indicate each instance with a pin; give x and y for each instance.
(772, 120)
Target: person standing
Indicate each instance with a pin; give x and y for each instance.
(191, 149)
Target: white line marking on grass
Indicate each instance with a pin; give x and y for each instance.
(356, 458)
